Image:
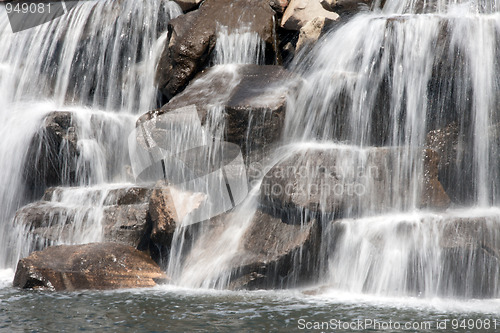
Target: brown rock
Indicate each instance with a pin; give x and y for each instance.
(166, 212)
(89, 266)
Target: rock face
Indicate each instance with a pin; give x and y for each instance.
(270, 253)
(310, 33)
(188, 4)
(276, 254)
(300, 12)
(118, 215)
(348, 6)
(192, 38)
(347, 182)
(51, 153)
(165, 214)
(252, 97)
(89, 266)
(470, 257)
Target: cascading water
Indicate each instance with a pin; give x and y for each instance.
(97, 64)
(397, 75)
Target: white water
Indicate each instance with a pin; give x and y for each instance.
(378, 90)
(385, 79)
(97, 62)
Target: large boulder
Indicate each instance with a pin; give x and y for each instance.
(257, 251)
(89, 266)
(300, 12)
(252, 97)
(192, 38)
(345, 181)
(52, 153)
(344, 7)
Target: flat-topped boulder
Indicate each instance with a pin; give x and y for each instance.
(90, 266)
(252, 97)
(349, 181)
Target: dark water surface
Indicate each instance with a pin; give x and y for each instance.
(172, 309)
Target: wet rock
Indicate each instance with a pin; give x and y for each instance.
(310, 33)
(192, 38)
(188, 4)
(433, 193)
(279, 5)
(266, 252)
(300, 12)
(347, 181)
(51, 154)
(470, 257)
(118, 215)
(89, 266)
(252, 97)
(277, 254)
(167, 208)
(344, 7)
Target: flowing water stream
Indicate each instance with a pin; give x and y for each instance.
(385, 78)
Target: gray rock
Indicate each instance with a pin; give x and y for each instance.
(188, 4)
(51, 154)
(192, 37)
(348, 182)
(252, 97)
(122, 214)
(273, 253)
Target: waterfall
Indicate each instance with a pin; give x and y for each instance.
(80, 79)
(238, 47)
(393, 79)
(397, 75)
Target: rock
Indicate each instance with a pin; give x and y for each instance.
(277, 254)
(300, 12)
(350, 7)
(118, 215)
(192, 38)
(433, 193)
(279, 5)
(470, 256)
(90, 266)
(346, 181)
(188, 4)
(253, 99)
(167, 208)
(269, 253)
(310, 33)
(329, 4)
(51, 154)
